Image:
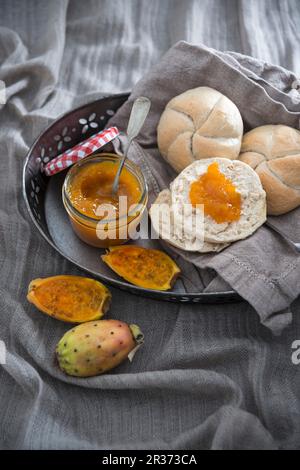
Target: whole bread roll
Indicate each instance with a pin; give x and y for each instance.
(199, 123)
(273, 151)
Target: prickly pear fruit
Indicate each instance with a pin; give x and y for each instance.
(73, 299)
(143, 267)
(95, 347)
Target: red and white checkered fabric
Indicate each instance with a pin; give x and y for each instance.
(82, 150)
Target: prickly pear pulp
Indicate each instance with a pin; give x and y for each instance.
(73, 299)
(143, 267)
(96, 347)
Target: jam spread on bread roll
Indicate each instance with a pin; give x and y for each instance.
(218, 195)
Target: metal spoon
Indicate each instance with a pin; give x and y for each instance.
(139, 112)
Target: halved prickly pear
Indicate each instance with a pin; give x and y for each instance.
(144, 267)
(96, 347)
(73, 299)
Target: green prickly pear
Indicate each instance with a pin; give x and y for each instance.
(95, 347)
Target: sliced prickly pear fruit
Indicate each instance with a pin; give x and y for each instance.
(96, 347)
(144, 267)
(71, 299)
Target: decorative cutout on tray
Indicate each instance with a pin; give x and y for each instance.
(88, 123)
(34, 195)
(62, 138)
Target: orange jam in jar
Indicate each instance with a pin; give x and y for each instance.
(218, 195)
(97, 216)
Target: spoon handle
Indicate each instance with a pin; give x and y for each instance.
(139, 112)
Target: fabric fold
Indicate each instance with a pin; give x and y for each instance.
(263, 269)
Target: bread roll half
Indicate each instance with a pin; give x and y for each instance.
(173, 234)
(246, 182)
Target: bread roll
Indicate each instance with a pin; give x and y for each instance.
(199, 123)
(170, 233)
(273, 151)
(246, 182)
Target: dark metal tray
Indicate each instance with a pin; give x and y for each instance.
(44, 203)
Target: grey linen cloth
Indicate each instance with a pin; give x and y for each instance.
(208, 376)
(264, 269)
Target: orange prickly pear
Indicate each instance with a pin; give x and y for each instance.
(73, 299)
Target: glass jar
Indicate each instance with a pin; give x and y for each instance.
(104, 232)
